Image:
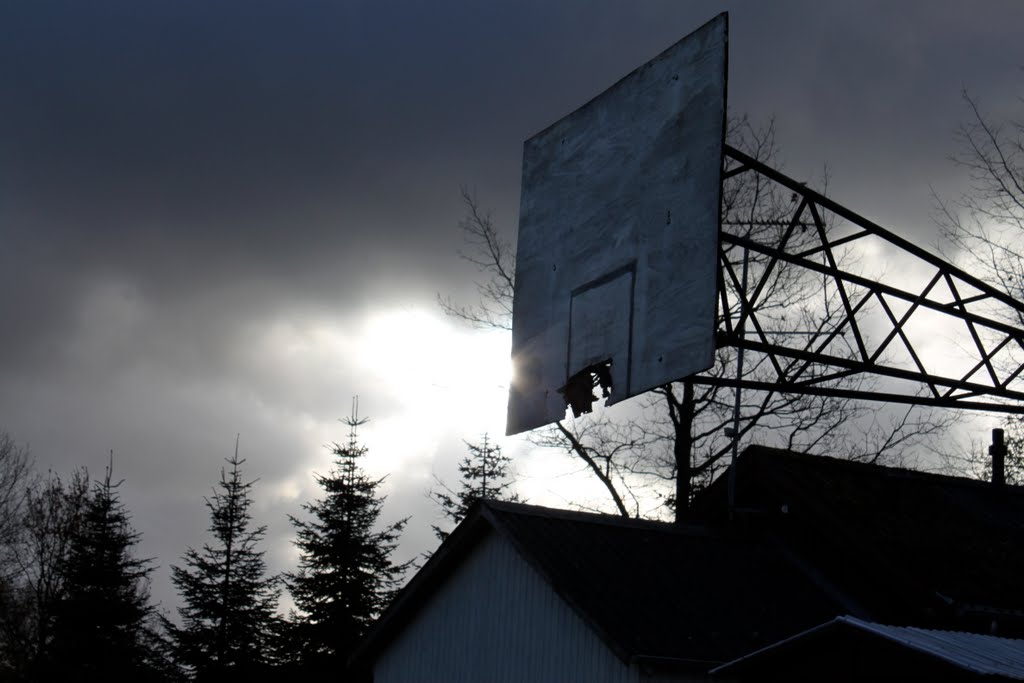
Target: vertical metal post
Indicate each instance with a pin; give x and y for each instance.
(998, 452)
(739, 391)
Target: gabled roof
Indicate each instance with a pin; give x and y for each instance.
(909, 546)
(681, 595)
(976, 653)
(812, 538)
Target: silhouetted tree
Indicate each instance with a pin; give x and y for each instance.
(485, 474)
(985, 227)
(229, 621)
(14, 473)
(346, 576)
(103, 630)
(48, 522)
(15, 470)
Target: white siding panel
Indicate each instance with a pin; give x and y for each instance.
(495, 620)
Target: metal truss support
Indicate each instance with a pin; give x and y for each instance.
(879, 341)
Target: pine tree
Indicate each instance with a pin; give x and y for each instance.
(103, 625)
(229, 619)
(346, 576)
(485, 475)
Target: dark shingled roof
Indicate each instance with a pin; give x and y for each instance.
(909, 546)
(659, 590)
(653, 590)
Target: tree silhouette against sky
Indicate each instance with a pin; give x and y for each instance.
(346, 576)
(228, 611)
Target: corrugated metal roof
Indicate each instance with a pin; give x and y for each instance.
(978, 652)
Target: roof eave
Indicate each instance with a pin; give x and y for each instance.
(414, 594)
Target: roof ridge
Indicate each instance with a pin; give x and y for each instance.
(606, 519)
(755, 452)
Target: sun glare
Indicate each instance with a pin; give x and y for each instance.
(442, 375)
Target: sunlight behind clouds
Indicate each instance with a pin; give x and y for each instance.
(430, 358)
(442, 377)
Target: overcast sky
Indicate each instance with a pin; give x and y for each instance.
(229, 218)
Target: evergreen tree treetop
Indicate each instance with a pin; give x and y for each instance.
(346, 576)
(103, 626)
(485, 475)
(229, 619)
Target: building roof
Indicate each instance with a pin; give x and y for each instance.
(908, 546)
(978, 653)
(687, 596)
(811, 538)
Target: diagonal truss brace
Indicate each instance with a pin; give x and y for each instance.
(867, 338)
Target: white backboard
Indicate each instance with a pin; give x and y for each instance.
(618, 234)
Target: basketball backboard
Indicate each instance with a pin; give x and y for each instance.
(616, 263)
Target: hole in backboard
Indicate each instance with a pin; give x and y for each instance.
(579, 390)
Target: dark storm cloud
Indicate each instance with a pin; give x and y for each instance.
(873, 91)
(184, 148)
(191, 192)
(315, 153)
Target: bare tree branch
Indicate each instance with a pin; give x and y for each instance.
(984, 226)
(495, 259)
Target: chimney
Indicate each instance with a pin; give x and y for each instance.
(998, 452)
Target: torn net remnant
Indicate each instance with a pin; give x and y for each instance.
(578, 391)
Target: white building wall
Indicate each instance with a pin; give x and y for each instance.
(495, 620)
